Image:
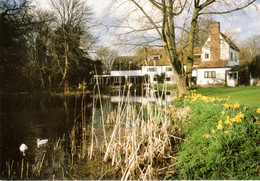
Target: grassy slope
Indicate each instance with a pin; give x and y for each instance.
(244, 95)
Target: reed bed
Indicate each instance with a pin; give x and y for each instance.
(139, 142)
(142, 143)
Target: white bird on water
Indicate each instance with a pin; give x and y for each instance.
(41, 142)
(23, 147)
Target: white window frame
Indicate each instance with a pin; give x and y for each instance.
(210, 74)
(152, 69)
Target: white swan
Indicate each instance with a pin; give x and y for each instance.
(41, 142)
(22, 148)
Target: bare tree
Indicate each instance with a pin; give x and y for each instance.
(73, 20)
(249, 49)
(163, 16)
(107, 56)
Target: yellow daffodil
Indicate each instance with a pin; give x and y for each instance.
(228, 122)
(213, 131)
(226, 132)
(220, 127)
(206, 136)
(223, 112)
(236, 105)
(258, 110)
(226, 105)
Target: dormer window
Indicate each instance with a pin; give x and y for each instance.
(231, 56)
(196, 55)
(206, 56)
(155, 57)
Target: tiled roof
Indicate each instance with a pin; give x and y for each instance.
(213, 64)
(163, 61)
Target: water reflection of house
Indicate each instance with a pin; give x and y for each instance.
(212, 64)
(152, 95)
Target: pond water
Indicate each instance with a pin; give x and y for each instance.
(26, 117)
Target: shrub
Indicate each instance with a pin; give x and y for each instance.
(222, 140)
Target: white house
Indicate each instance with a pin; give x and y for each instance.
(218, 55)
(152, 72)
(212, 64)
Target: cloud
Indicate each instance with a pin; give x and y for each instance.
(246, 22)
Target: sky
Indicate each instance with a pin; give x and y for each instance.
(246, 23)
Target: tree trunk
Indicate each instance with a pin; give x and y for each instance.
(66, 62)
(42, 81)
(190, 46)
(181, 82)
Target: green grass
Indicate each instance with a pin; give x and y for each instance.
(244, 95)
(168, 85)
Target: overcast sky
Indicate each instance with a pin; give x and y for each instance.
(246, 23)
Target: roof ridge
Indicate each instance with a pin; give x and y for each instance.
(229, 41)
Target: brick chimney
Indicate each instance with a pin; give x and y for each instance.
(215, 42)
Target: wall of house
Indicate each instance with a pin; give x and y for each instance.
(224, 49)
(232, 79)
(153, 71)
(235, 60)
(225, 52)
(206, 50)
(219, 79)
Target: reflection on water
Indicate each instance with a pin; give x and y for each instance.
(154, 96)
(24, 118)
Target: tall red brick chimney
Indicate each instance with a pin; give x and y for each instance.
(215, 42)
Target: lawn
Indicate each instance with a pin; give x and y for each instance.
(244, 95)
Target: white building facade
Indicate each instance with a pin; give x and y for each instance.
(218, 55)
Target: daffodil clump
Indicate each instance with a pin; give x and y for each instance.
(222, 139)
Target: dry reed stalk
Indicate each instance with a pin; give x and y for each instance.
(92, 126)
(145, 146)
(101, 110)
(22, 169)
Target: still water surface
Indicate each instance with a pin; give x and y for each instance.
(24, 118)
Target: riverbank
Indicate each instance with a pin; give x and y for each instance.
(222, 139)
(193, 137)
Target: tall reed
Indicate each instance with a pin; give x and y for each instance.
(141, 148)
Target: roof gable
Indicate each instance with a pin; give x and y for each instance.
(231, 44)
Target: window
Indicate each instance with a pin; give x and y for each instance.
(117, 80)
(152, 69)
(209, 74)
(231, 56)
(206, 56)
(168, 69)
(235, 76)
(230, 76)
(196, 56)
(155, 79)
(155, 57)
(168, 78)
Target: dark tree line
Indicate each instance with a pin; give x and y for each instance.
(40, 50)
